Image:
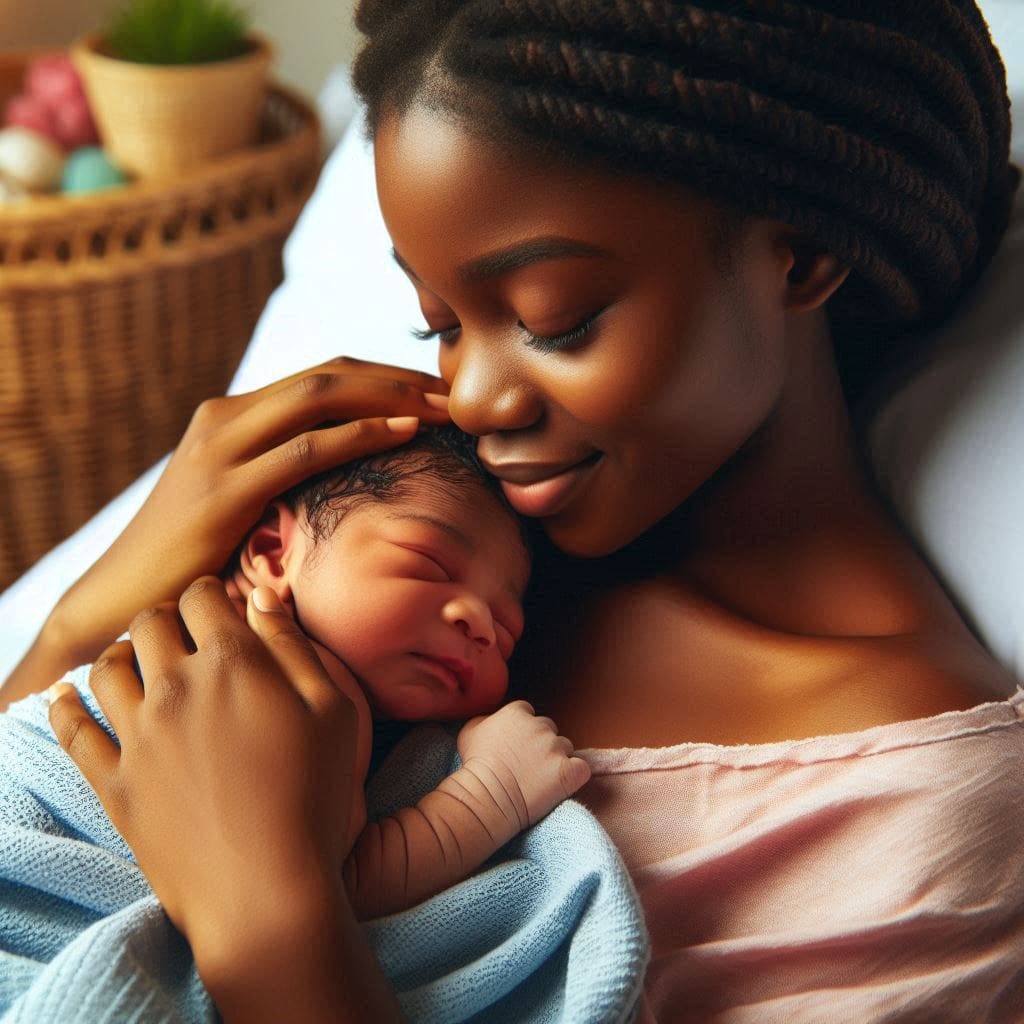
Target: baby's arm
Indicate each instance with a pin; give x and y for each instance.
(515, 769)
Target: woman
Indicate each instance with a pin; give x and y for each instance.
(656, 242)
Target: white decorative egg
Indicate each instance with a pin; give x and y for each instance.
(29, 160)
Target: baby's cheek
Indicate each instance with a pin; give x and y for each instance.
(339, 672)
(491, 688)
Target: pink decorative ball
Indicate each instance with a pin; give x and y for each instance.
(30, 112)
(53, 79)
(54, 104)
(73, 124)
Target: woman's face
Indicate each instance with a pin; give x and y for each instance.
(608, 361)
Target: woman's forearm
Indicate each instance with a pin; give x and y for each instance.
(317, 968)
(52, 654)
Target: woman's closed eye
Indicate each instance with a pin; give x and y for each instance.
(561, 341)
(442, 334)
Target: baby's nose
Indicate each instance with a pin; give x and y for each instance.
(473, 617)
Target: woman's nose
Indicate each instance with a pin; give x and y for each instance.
(487, 394)
(472, 617)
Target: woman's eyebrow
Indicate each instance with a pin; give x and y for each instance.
(523, 254)
(514, 257)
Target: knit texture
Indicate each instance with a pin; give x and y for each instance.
(550, 931)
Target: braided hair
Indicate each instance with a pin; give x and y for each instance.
(878, 129)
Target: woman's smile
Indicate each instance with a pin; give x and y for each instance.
(540, 490)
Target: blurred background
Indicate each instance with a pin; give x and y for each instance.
(309, 36)
(128, 300)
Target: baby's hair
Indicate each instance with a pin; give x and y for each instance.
(446, 455)
(878, 129)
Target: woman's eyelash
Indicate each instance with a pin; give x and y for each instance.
(540, 342)
(559, 342)
(429, 334)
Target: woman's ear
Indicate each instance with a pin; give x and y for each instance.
(813, 275)
(269, 554)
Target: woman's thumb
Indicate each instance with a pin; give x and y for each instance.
(262, 599)
(289, 646)
(270, 620)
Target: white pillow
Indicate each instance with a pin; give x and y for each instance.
(947, 447)
(943, 447)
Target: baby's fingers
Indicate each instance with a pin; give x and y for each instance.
(81, 736)
(575, 774)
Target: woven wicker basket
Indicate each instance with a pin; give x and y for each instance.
(122, 310)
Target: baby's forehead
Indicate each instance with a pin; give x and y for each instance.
(468, 512)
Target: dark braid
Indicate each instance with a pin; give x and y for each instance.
(878, 128)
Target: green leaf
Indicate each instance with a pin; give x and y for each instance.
(177, 31)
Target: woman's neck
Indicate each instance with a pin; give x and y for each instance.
(791, 534)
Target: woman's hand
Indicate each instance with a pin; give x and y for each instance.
(234, 777)
(232, 785)
(237, 454)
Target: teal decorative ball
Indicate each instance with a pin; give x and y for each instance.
(89, 169)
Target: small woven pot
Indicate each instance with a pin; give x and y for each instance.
(157, 121)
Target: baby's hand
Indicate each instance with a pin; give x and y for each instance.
(523, 762)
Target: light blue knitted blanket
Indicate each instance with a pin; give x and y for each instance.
(550, 931)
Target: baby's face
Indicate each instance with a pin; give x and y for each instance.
(420, 599)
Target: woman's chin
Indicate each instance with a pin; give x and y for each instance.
(578, 542)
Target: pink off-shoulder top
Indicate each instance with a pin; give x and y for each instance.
(865, 877)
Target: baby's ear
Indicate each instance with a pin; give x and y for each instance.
(268, 555)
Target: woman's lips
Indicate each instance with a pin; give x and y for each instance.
(549, 494)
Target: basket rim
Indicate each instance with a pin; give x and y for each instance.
(90, 43)
(200, 180)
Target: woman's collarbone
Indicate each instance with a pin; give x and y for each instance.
(654, 664)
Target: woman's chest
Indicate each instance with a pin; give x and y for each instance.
(656, 663)
(644, 665)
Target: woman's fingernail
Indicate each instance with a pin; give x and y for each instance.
(54, 692)
(266, 600)
(437, 401)
(402, 424)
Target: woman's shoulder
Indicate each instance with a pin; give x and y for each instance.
(865, 682)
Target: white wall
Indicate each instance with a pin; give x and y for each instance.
(309, 36)
(31, 23)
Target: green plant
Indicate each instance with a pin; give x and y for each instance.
(177, 31)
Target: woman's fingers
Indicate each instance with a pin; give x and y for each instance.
(219, 635)
(317, 398)
(116, 685)
(307, 454)
(294, 654)
(210, 620)
(81, 736)
(427, 382)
